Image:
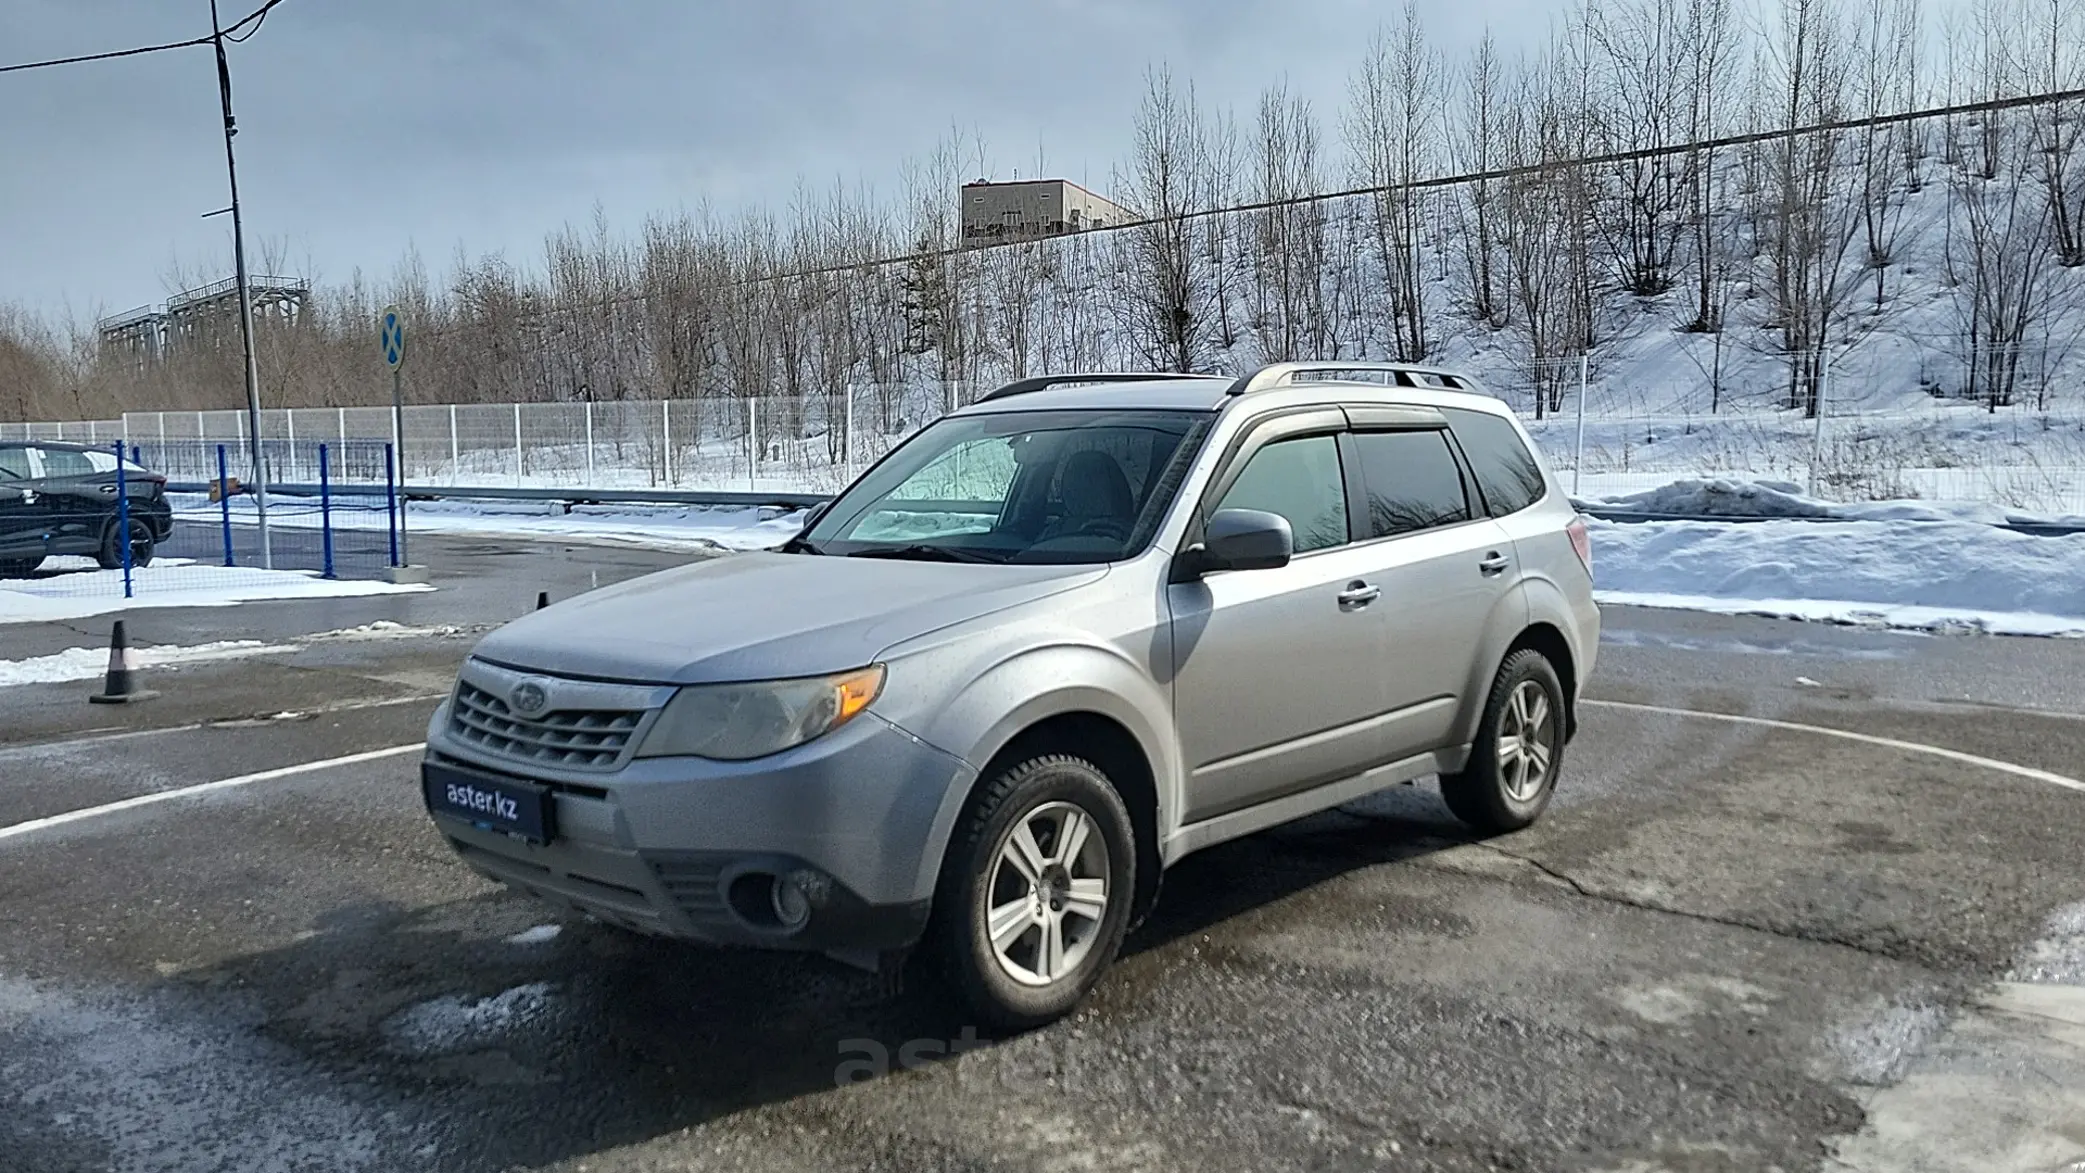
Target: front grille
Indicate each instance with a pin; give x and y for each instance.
(580, 739)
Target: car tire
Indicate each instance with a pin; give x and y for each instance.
(1519, 751)
(110, 556)
(19, 567)
(1055, 819)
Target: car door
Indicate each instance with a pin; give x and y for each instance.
(77, 498)
(1445, 568)
(21, 506)
(1276, 685)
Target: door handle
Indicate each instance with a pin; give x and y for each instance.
(1494, 563)
(1358, 595)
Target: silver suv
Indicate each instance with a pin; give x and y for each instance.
(1045, 648)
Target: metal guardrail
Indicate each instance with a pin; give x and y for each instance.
(782, 500)
(569, 496)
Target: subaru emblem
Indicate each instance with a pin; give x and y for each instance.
(529, 698)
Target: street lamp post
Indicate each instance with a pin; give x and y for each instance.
(253, 375)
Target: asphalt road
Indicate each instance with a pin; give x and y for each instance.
(1728, 947)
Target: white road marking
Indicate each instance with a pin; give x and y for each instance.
(31, 827)
(1953, 755)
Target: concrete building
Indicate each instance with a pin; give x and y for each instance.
(1034, 207)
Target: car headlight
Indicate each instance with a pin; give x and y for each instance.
(734, 722)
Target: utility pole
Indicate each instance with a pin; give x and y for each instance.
(253, 374)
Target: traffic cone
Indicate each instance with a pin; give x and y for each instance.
(542, 599)
(121, 688)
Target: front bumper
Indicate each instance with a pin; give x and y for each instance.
(685, 847)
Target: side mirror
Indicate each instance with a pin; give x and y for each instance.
(817, 511)
(1244, 539)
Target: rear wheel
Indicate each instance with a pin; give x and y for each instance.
(1519, 752)
(110, 556)
(1035, 891)
(19, 567)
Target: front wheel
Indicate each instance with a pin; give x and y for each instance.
(141, 546)
(1513, 767)
(1035, 891)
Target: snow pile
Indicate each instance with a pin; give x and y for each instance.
(171, 584)
(88, 663)
(1723, 497)
(1941, 574)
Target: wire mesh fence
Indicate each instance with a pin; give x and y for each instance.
(1890, 417)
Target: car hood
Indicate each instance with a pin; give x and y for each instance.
(763, 616)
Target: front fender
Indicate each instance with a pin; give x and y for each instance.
(1017, 684)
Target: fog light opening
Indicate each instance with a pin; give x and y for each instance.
(791, 905)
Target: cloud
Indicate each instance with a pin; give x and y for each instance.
(370, 127)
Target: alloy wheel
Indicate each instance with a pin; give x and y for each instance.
(1047, 894)
(1527, 741)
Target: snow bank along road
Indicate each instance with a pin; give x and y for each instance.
(1731, 945)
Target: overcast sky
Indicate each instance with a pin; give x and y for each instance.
(371, 126)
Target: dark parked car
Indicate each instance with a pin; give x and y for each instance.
(60, 498)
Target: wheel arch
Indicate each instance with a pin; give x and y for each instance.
(1100, 708)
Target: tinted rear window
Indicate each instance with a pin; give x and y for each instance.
(59, 463)
(1506, 473)
(1412, 481)
(14, 464)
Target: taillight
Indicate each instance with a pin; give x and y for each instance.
(1581, 542)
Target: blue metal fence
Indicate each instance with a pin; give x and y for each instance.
(214, 545)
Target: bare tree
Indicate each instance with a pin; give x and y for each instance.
(1640, 53)
(1476, 149)
(1288, 233)
(2006, 255)
(1393, 133)
(1810, 219)
(1166, 289)
(2057, 64)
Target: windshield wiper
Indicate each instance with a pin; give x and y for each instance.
(922, 552)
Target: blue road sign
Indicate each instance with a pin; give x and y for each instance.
(393, 337)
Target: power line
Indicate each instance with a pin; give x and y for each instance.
(256, 18)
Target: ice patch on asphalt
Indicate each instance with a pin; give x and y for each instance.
(453, 1023)
(132, 1074)
(540, 935)
(1878, 1050)
(2059, 957)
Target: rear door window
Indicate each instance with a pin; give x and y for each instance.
(14, 464)
(1410, 481)
(65, 463)
(1506, 472)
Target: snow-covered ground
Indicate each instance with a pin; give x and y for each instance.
(171, 583)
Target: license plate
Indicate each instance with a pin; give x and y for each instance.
(492, 804)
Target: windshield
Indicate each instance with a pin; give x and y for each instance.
(1055, 486)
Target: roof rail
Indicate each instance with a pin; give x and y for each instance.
(1041, 382)
(1281, 374)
